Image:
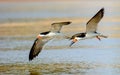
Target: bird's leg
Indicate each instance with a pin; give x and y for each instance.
(98, 38)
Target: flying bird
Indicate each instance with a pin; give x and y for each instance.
(91, 29)
(44, 37)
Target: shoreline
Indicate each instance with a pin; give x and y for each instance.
(31, 28)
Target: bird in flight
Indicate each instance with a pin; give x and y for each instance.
(44, 37)
(91, 29)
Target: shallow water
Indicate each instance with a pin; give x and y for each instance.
(95, 57)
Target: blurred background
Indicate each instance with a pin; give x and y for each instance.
(21, 21)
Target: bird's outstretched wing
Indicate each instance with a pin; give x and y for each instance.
(36, 48)
(91, 25)
(56, 27)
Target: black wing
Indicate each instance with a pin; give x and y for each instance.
(36, 48)
(91, 25)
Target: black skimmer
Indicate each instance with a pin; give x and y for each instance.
(44, 37)
(91, 28)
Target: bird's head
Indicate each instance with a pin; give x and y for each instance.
(74, 39)
(39, 36)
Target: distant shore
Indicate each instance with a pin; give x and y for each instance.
(29, 28)
(33, 27)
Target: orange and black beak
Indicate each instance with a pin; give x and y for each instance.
(73, 41)
(98, 38)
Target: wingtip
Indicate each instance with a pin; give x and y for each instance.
(102, 8)
(69, 22)
(63, 23)
(30, 58)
